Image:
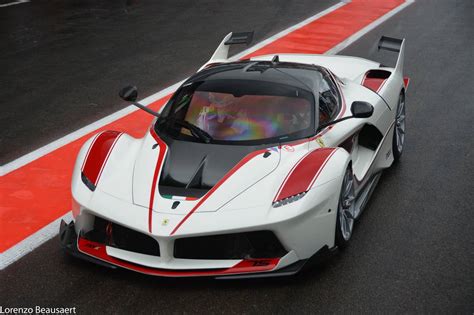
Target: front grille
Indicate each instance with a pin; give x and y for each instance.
(259, 244)
(115, 235)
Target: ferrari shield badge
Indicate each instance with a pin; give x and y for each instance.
(320, 141)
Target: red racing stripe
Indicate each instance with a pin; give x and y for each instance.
(99, 251)
(159, 163)
(98, 154)
(242, 162)
(305, 172)
(406, 82)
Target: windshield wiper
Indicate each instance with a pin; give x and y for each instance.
(195, 130)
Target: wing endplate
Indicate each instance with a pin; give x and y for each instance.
(395, 45)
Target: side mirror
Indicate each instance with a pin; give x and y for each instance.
(361, 110)
(129, 93)
(358, 110)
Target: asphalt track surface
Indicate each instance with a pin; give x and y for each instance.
(413, 249)
(63, 62)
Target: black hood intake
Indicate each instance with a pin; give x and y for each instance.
(192, 168)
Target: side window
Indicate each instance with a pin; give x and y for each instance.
(328, 100)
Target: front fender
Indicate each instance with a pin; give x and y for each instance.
(335, 167)
(317, 167)
(104, 163)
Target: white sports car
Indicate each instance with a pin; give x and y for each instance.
(252, 167)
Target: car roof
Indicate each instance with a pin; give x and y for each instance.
(303, 76)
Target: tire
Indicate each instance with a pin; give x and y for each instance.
(398, 141)
(345, 210)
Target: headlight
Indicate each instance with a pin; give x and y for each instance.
(288, 200)
(87, 182)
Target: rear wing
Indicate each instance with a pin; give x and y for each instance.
(222, 52)
(239, 38)
(395, 45)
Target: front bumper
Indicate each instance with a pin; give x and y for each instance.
(94, 252)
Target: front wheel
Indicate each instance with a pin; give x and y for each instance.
(399, 129)
(345, 210)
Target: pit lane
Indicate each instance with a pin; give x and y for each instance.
(412, 250)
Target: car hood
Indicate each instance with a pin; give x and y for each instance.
(173, 176)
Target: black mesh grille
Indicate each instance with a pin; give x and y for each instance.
(118, 236)
(260, 244)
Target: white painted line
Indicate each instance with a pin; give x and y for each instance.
(31, 242)
(51, 230)
(287, 31)
(36, 154)
(13, 3)
(30, 157)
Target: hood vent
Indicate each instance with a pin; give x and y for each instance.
(192, 169)
(196, 180)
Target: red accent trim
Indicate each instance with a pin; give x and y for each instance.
(288, 175)
(320, 169)
(373, 83)
(158, 166)
(98, 154)
(406, 82)
(99, 251)
(304, 173)
(89, 150)
(375, 79)
(242, 162)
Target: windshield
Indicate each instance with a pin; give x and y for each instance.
(241, 111)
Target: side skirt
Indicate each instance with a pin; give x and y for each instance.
(365, 194)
